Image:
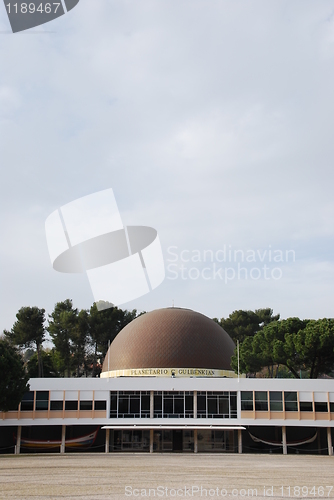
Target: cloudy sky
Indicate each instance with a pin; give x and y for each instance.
(212, 120)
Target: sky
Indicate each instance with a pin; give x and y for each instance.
(211, 120)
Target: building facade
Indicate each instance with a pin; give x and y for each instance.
(167, 385)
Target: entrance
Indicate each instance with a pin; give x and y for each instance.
(177, 440)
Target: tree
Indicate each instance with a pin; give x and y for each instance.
(242, 324)
(13, 380)
(29, 331)
(62, 324)
(294, 343)
(49, 365)
(104, 326)
(315, 345)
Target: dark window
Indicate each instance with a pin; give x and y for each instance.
(247, 400)
(322, 407)
(233, 403)
(261, 401)
(306, 406)
(71, 405)
(86, 405)
(113, 404)
(145, 405)
(123, 405)
(212, 405)
(332, 407)
(189, 404)
(276, 401)
(201, 404)
(100, 405)
(56, 405)
(27, 403)
(290, 399)
(134, 405)
(42, 400)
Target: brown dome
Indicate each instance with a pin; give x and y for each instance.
(170, 338)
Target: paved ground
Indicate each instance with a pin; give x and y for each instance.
(122, 476)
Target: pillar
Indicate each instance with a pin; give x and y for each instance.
(18, 440)
(106, 449)
(195, 441)
(285, 447)
(151, 404)
(329, 441)
(239, 440)
(151, 440)
(195, 404)
(63, 434)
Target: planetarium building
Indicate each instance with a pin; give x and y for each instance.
(167, 386)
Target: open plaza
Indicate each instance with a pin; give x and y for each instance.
(115, 476)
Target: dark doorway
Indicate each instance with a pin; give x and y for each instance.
(177, 440)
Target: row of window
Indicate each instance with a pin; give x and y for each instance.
(42, 403)
(173, 404)
(275, 402)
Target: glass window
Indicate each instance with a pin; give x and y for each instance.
(290, 399)
(261, 401)
(322, 407)
(276, 401)
(56, 405)
(332, 407)
(100, 405)
(145, 405)
(247, 400)
(86, 405)
(306, 406)
(113, 404)
(212, 405)
(42, 400)
(201, 405)
(71, 405)
(27, 403)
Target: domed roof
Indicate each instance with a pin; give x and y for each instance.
(170, 338)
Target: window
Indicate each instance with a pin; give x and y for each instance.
(217, 404)
(305, 405)
(247, 400)
(129, 404)
(86, 405)
(113, 404)
(261, 401)
(290, 399)
(56, 405)
(276, 401)
(100, 405)
(321, 407)
(42, 400)
(27, 403)
(201, 404)
(331, 407)
(71, 405)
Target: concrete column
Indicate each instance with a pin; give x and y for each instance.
(195, 441)
(18, 440)
(329, 441)
(195, 404)
(239, 440)
(63, 434)
(285, 447)
(107, 441)
(151, 440)
(151, 404)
